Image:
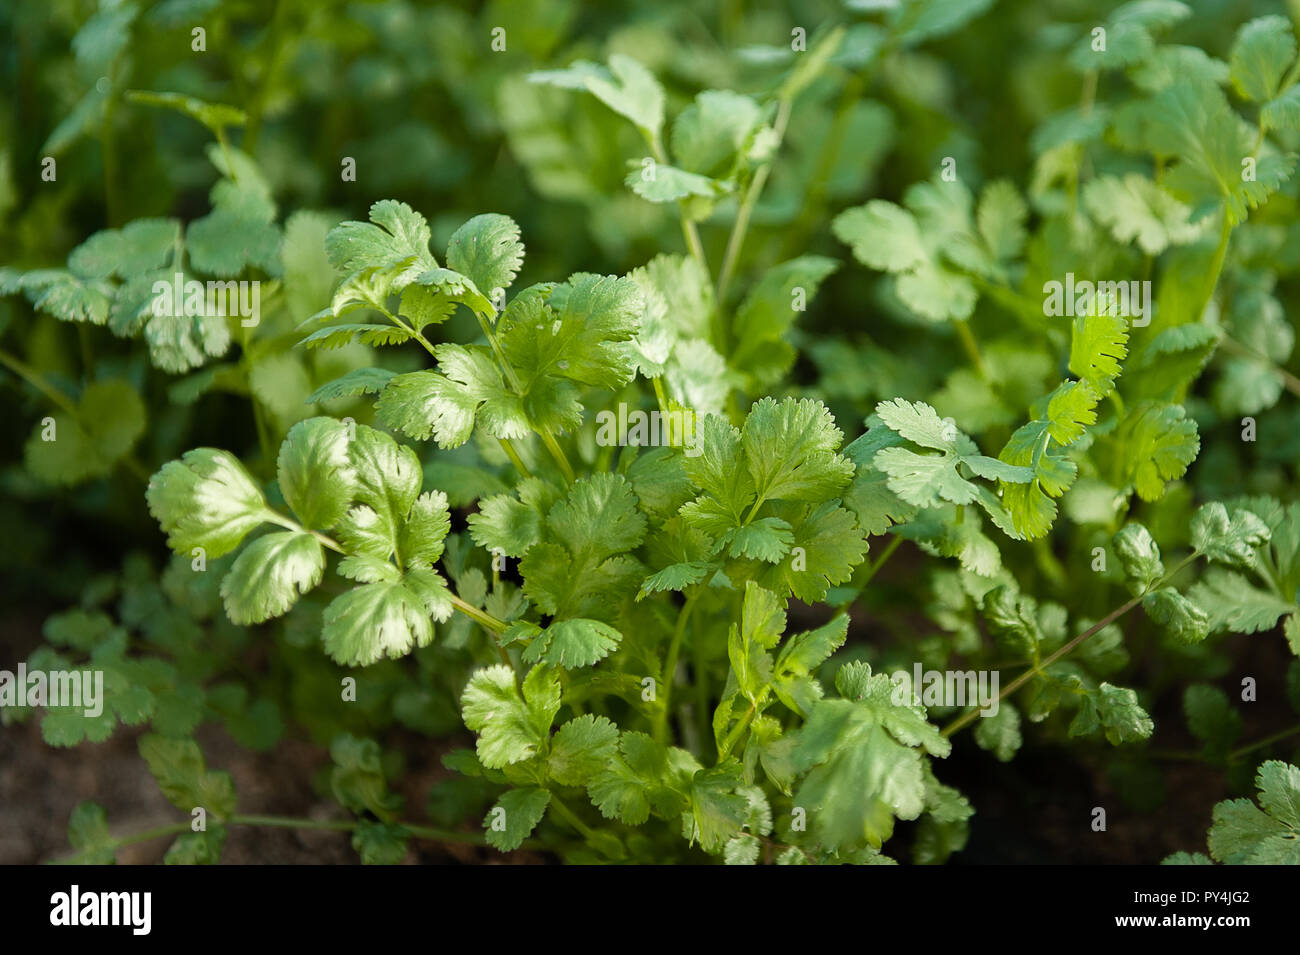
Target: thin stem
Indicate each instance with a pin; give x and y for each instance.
(737, 237)
(430, 833)
(972, 348)
(557, 452)
(733, 737)
(479, 616)
(970, 716)
(1260, 744)
(872, 569)
(508, 447)
(277, 41)
(1220, 253)
(34, 378)
(1289, 381)
(568, 815)
(108, 148)
(689, 232)
(670, 667)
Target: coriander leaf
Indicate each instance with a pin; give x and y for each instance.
(511, 727)
(573, 644)
(1261, 54)
(385, 618)
(399, 237)
(514, 817)
(1181, 617)
(315, 471)
(581, 749)
(1231, 541)
(268, 576)
(207, 500)
(487, 250)
(184, 778)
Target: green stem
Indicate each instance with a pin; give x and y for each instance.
(703, 696)
(1289, 381)
(1260, 744)
(670, 667)
(108, 148)
(286, 822)
(568, 815)
(35, 379)
(872, 569)
(278, 43)
(741, 226)
(508, 447)
(972, 348)
(479, 616)
(970, 716)
(689, 231)
(1216, 267)
(733, 737)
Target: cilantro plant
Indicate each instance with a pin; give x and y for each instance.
(921, 401)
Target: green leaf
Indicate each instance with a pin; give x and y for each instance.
(882, 235)
(184, 778)
(1097, 347)
(999, 733)
(88, 834)
(511, 727)
(1233, 604)
(1228, 540)
(358, 381)
(1160, 441)
(515, 815)
(635, 781)
(315, 471)
(1243, 834)
(1211, 718)
(1140, 556)
(717, 810)
(790, 450)
(660, 182)
(581, 749)
(109, 420)
(863, 759)
(357, 777)
(626, 87)
(379, 843)
(573, 644)
(269, 575)
(399, 238)
(1261, 54)
(710, 135)
(207, 500)
(577, 335)
(487, 250)
(197, 848)
(141, 246)
(1122, 719)
(1136, 209)
(385, 618)
(1001, 219)
(215, 116)
(1182, 618)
